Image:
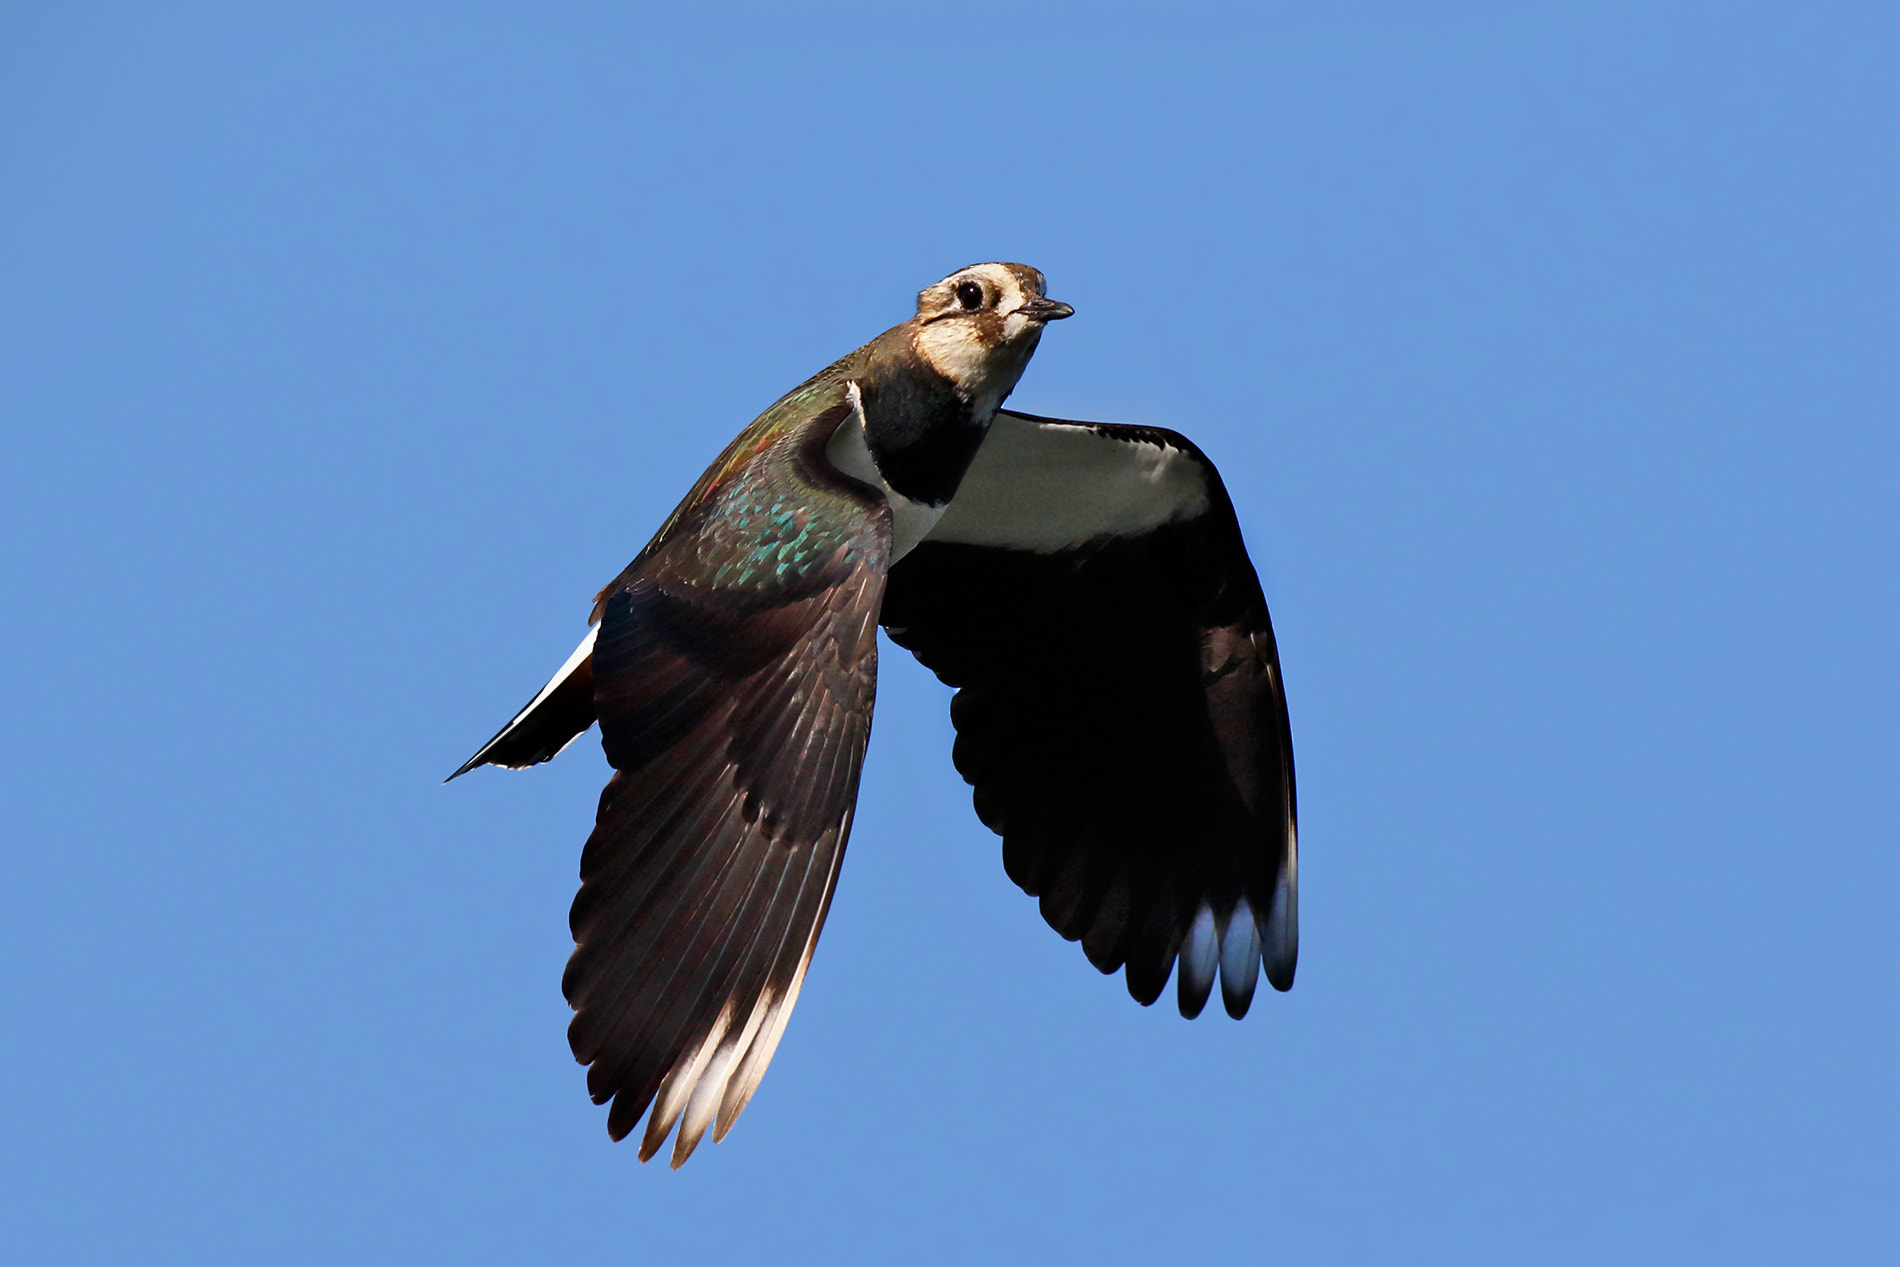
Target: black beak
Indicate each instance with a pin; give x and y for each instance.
(1040, 309)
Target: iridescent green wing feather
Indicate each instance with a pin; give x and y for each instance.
(755, 476)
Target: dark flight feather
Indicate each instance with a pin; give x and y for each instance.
(734, 692)
(1121, 720)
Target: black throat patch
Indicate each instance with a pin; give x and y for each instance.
(919, 427)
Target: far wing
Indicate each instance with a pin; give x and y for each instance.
(733, 675)
(1119, 709)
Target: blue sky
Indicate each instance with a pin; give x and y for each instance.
(1549, 358)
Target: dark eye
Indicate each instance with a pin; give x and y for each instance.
(970, 295)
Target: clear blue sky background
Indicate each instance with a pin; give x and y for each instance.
(1551, 361)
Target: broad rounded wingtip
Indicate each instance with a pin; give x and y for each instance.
(1194, 976)
(1281, 948)
(1280, 978)
(1239, 960)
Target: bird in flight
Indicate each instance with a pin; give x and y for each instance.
(1118, 708)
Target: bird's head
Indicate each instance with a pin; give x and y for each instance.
(978, 326)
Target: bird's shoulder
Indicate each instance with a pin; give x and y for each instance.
(770, 512)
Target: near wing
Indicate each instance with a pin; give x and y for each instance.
(734, 681)
(1119, 709)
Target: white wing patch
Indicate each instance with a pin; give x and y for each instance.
(1045, 487)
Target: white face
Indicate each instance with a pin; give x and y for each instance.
(972, 330)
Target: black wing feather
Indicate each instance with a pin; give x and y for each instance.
(1121, 719)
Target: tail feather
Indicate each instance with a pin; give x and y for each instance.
(552, 720)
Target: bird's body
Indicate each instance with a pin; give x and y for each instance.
(1120, 712)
